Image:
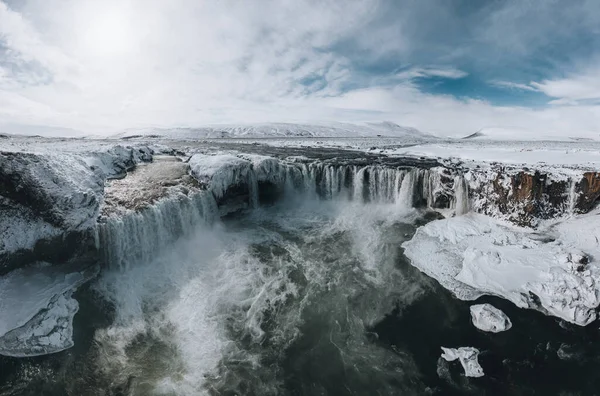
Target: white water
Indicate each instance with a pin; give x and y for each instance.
(224, 300)
(217, 302)
(461, 196)
(138, 236)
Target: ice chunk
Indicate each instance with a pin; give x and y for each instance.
(475, 254)
(36, 309)
(468, 359)
(486, 317)
(50, 331)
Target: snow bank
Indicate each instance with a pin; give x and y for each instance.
(486, 317)
(467, 357)
(36, 309)
(546, 270)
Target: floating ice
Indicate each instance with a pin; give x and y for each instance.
(486, 317)
(467, 357)
(474, 254)
(36, 310)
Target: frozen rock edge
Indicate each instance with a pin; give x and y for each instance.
(467, 357)
(486, 317)
(553, 269)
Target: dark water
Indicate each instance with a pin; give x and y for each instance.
(315, 300)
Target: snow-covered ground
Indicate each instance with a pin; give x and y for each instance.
(571, 154)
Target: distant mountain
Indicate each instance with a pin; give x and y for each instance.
(516, 134)
(283, 130)
(38, 130)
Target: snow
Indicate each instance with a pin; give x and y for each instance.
(467, 357)
(486, 317)
(474, 254)
(582, 155)
(285, 130)
(36, 309)
(21, 228)
(517, 134)
(221, 171)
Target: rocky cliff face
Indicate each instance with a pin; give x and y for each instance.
(527, 196)
(51, 205)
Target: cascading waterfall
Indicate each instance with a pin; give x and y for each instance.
(407, 190)
(138, 236)
(572, 201)
(461, 196)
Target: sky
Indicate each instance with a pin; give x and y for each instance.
(448, 67)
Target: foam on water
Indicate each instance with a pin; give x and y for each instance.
(227, 304)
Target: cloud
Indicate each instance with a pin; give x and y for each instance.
(576, 87)
(450, 73)
(513, 85)
(101, 65)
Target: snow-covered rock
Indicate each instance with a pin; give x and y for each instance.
(486, 317)
(50, 201)
(474, 254)
(467, 357)
(220, 171)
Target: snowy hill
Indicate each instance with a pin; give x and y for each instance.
(517, 134)
(282, 130)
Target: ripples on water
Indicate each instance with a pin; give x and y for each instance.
(302, 298)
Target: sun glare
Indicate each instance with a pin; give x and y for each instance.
(108, 33)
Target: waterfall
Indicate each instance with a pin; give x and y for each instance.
(137, 236)
(461, 196)
(253, 188)
(572, 200)
(407, 190)
(359, 184)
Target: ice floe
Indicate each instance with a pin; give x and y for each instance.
(552, 270)
(486, 317)
(467, 357)
(36, 309)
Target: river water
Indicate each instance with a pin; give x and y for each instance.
(305, 297)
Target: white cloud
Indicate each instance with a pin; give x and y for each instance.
(191, 63)
(577, 87)
(450, 73)
(513, 85)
